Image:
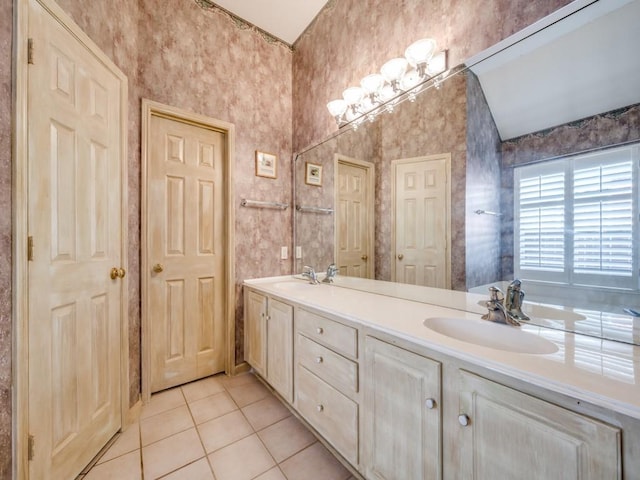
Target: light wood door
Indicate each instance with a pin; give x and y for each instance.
(354, 219)
(255, 328)
(509, 434)
(402, 419)
(421, 222)
(75, 203)
(185, 254)
(280, 348)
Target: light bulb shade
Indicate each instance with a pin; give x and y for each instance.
(437, 64)
(394, 69)
(410, 79)
(337, 107)
(353, 95)
(420, 51)
(372, 83)
(387, 93)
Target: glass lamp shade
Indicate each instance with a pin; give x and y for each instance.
(353, 95)
(337, 107)
(410, 80)
(387, 93)
(437, 64)
(372, 83)
(394, 69)
(420, 51)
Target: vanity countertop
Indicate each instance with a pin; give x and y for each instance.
(602, 372)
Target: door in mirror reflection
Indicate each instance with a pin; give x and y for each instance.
(421, 208)
(354, 217)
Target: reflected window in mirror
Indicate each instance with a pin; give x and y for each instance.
(576, 219)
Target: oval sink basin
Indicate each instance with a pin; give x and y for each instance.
(490, 334)
(534, 310)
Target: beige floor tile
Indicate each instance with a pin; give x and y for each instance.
(286, 438)
(171, 453)
(128, 441)
(163, 401)
(202, 388)
(199, 470)
(265, 412)
(314, 463)
(273, 474)
(238, 380)
(212, 407)
(242, 460)
(165, 424)
(224, 430)
(249, 393)
(124, 467)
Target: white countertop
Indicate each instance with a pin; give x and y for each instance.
(601, 372)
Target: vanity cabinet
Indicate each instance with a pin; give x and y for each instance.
(402, 414)
(327, 383)
(504, 433)
(269, 341)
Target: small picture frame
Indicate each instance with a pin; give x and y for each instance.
(313, 174)
(266, 164)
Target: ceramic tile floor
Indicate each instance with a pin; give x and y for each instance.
(218, 428)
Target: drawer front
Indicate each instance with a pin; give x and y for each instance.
(335, 369)
(341, 338)
(332, 414)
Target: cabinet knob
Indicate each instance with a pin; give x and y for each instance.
(319, 360)
(320, 408)
(464, 419)
(400, 256)
(320, 330)
(364, 257)
(430, 403)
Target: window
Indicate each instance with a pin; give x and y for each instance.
(576, 219)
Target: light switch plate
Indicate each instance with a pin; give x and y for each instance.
(298, 251)
(284, 253)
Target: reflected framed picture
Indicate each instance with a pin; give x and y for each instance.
(313, 174)
(266, 164)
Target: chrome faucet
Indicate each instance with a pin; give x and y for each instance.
(332, 271)
(497, 311)
(310, 273)
(513, 300)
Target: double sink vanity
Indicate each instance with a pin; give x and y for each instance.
(414, 385)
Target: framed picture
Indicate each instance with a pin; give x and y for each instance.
(266, 164)
(313, 175)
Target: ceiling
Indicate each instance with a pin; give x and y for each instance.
(569, 71)
(284, 19)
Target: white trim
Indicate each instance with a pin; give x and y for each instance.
(150, 108)
(20, 197)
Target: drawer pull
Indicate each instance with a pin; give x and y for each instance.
(319, 359)
(464, 419)
(320, 408)
(430, 403)
(319, 330)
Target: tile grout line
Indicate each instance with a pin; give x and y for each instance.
(195, 425)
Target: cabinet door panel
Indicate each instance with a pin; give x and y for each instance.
(255, 331)
(280, 348)
(402, 414)
(513, 435)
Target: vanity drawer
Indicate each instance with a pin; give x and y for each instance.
(341, 338)
(336, 370)
(332, 414)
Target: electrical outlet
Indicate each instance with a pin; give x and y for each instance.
(298, 252)
(284, 253)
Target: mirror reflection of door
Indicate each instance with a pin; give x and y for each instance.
(422, 232)
(354, 217)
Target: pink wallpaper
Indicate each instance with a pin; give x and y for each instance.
(201, 60)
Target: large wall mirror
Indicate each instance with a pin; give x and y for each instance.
(522, 163)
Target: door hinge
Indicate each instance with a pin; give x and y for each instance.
(30, 51)
(30, 248)
(31, 447)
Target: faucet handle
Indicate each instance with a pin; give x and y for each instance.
(495, 294)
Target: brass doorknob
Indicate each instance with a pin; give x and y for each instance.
(158, 268)
(400, 256)
(116, 272)
(364, 257)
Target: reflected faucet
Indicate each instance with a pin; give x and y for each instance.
(514, 299)
(310, 273)
(497, 311)
(332, 271)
